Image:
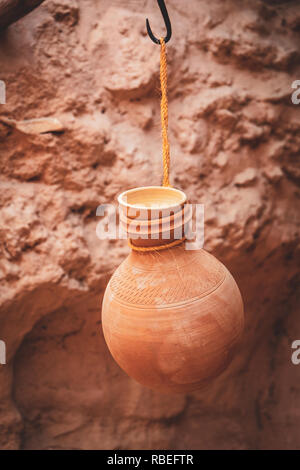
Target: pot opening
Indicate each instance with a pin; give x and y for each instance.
(152, 197)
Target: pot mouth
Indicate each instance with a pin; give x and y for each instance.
(152, 197)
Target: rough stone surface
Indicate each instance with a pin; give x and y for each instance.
(235, 146)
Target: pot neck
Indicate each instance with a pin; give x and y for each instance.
(157, 233)
(154, 217)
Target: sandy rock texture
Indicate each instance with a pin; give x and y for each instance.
(89, 69)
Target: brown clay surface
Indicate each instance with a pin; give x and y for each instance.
(172, 319)
(235, 146)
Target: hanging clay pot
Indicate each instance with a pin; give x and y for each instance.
(172, 318)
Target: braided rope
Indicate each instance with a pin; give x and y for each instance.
(155, 248)
(164, 113)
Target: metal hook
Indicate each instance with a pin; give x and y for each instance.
(166, 18)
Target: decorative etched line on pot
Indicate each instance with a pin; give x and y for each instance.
(149, 288)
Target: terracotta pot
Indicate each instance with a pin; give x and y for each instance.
(172, 319)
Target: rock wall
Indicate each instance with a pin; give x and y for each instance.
(235, 147)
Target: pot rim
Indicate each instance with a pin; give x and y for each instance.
(177, 203)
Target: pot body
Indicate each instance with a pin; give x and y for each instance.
(172, 319)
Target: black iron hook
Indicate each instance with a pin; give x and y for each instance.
(166, 18)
